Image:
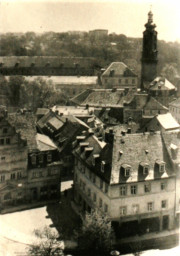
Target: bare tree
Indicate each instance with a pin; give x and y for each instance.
(48, 243)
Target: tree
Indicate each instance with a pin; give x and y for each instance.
(96, 234)
(47, 243)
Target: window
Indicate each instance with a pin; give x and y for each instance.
(7, 141)
(94, 197)
(13, 176)
(163, 204)
(3, 158)
(2, 178)
(105, 81)
(126, 81)
(1, 141)
(102, 166)
(163, 185)
(147, 188)
(40, 158)
(53, 171)
(100, 202)
(89, 192)
(161, 168)
(19, 194)
(133, 81)
(145, 169)
(105, 208)
(5, 130)
(43, 190)
(19, 175)
(49, 157)
(123, 190)
(7, 196)
(127, 171)
(133, 190)
(123, 210)
(35, 174)
(119, 81)
(150, 206)
(101, 184)
(33, 159)
(106, 187)
(135, 208)
(94, 178)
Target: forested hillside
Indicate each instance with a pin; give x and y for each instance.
(107, 49)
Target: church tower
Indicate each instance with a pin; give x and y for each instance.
(149, 53)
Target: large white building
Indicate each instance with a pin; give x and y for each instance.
(174, 108)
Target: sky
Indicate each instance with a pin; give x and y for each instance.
(120, 16)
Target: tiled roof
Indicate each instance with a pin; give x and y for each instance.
(25, 124)
(136, 149)
(105, 97)
(152, 104)
(160, 83)
(118, 69)
(175, 103)
(42, 61)
(167, 121)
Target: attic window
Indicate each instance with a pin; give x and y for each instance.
(146, 169)
(161, 166)
(127, 170)
(102, 166)
(111, 72)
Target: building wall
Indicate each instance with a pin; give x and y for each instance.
(175, 111)
(109, 200)
(119, 82)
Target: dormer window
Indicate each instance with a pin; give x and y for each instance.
(127, 170)
(102, 166)
(161, 168)
(94, 159)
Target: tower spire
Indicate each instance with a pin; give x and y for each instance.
(149, 53)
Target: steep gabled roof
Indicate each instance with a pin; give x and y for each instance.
(118, 69)
(152, 104)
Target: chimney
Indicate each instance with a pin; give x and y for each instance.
(109, 137)
(129, 130)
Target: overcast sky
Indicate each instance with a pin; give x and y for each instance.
(120, 16)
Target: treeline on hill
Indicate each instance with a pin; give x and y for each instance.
(110, 48)
(34, 94)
